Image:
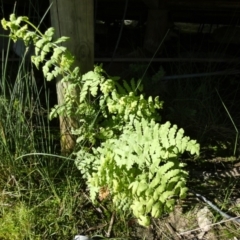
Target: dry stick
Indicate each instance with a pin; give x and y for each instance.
(173, 231)
(161, 230)
(96, 227)
(108, 234)
(210, 225)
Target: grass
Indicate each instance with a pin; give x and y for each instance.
(38, 194)
(42, 196)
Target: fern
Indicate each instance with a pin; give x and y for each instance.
(122, 149)
(109, 107)
(143, 164)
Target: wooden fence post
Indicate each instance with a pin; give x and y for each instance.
(75, 19)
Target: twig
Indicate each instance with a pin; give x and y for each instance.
(160, 230)
(210, 225)
(97, 227)
(173, 231)
(108, 234)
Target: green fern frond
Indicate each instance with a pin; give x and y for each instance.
(121, 145)
(158, 177)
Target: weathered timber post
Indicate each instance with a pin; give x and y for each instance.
(75, 19)
(157, 24)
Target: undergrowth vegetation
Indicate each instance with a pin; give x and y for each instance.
(127, 162)
(35, 190)
(120, 126)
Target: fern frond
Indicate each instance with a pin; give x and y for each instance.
(121, 146)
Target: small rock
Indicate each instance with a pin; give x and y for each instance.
(204, 218)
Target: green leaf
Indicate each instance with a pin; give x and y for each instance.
(157, 210)
(155, 182)
(141, 188)
(166, 195)
(134, 187)
(149, 205)
(160, 189)
(169, 206)
(172, 182)
(144, 221)
(94, 91)
(36, 60)
(49, 33)
(170, 174)
(39, 45)
(183, 192)
(61, 39)
(163, 169)
(49, 76)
